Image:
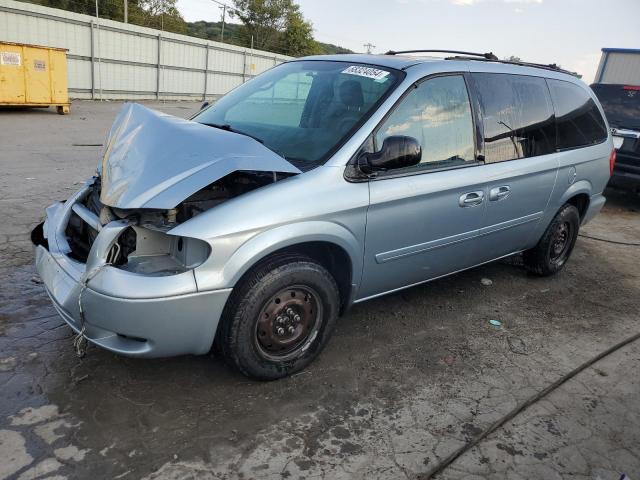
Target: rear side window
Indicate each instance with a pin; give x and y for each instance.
(577, 116)
(517, 116)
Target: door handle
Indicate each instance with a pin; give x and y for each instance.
(471, 199)
(499, 193)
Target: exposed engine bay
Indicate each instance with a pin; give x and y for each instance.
(144, 247)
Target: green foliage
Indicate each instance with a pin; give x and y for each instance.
(262, 20)
(276, 25)
(331, 49)
(233, 34)
(297, 38)
(160, 14)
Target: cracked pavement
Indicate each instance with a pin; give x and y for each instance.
(405, 380)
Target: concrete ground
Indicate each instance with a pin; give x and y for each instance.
(406, 379)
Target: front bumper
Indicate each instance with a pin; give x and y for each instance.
(124, 312)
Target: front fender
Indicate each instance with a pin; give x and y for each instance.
(210, 276)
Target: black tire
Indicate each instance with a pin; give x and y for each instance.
(555, 247)
(249, 337)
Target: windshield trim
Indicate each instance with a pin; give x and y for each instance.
(310, 165)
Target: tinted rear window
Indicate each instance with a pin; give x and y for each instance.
(621, 104)
(517, 116)
(577, 116)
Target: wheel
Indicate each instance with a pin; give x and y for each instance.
(62, 109)
(279, 317)
(555, 246)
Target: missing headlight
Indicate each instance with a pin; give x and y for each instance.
(155, 253)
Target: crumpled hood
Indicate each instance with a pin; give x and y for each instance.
(155, 160)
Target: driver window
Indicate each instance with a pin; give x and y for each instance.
(437, 113)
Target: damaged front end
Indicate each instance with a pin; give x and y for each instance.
(107, 256)
(146, 245)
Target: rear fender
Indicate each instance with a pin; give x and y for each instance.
(582, 186)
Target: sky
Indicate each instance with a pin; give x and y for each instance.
(570, 33)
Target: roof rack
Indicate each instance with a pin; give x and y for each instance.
(486, 56)
(550, 66)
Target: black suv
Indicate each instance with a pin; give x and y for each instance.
(621, 104)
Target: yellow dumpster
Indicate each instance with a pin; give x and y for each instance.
(33, 76)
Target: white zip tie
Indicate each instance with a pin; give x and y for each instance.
(80, 342)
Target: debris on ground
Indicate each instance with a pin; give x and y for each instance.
(487, 282)
(517, 345)
(495, 323)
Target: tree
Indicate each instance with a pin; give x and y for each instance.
(160, 14)
(163, 15)
(276, 25)
(297, 39)
(512, 58)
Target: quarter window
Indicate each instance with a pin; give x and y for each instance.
(517, 116)
(438, 114)
(577, 116)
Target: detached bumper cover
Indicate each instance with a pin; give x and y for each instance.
(126, 313)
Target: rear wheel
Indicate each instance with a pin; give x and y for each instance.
(555, 247)
(279, 317)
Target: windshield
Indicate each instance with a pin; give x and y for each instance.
(620, 103)
(303, 110)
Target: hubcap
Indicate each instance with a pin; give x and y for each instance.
(288, 322)
(561, 242)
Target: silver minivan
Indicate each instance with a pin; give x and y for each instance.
(323, 182)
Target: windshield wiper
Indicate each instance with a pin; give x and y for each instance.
(229, 128)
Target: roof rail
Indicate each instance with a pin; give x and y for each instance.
(550, 66)
(486, 56)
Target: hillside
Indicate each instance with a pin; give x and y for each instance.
(233, 35)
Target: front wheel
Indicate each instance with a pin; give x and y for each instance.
(555, 246)
(279, 317)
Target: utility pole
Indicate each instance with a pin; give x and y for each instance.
(223, 7)
(369, 46)
(126, 11)
(98, 48)
(224, 12)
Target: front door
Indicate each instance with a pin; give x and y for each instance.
(422, 220)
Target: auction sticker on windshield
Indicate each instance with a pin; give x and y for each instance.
(368, 72)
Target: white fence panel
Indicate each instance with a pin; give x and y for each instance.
(114, 60)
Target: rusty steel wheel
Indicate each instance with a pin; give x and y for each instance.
(555, 247)
(560, 242)
(288, 323)
(279, 316)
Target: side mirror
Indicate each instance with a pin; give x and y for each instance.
(204, 105)
(398, 151)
